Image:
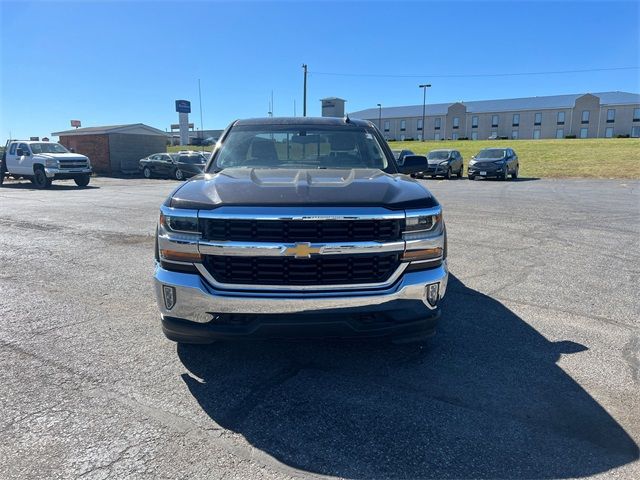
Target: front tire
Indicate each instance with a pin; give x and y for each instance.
(146, 172)
(448, 174)
(40, 179)
(471, 177)
(82, 181)
(514, 175)
(505, 175)
(461, 171)
(2, 173)
(178, 175)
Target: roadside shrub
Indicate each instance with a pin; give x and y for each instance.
(391, 139)
(408, 139)
(569, 136)
(463, 138)
(623, 136)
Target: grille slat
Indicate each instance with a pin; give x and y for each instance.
(294, 271)
(299, 231)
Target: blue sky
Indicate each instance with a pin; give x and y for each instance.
(126, 62)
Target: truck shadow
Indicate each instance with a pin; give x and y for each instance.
(485, 399)
(27, 185)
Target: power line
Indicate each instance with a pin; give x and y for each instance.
(470, 75)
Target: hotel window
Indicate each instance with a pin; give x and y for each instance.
(386, 125)
(454, 136)
(585, 117)
(474, 122)
(514, 134)
(474, 135)
(456, 122)
(494, 120)
(419, 124)
(516, 120)
(635, 132)
(584, 133)
(608, 133)
(538, 119)
(611, 115)
(636, 114)
(403, 125)
(436, 136)
(560, 133)
(536, 134)
(437, 123)
(560, 118)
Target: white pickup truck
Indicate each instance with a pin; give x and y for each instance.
(43, 162)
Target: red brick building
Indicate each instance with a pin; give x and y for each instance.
(115, 149)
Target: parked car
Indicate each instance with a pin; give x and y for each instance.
(179, 165)
(444, 163)
(400, 154)
(494, 162)
(42, 162)
(279, 242)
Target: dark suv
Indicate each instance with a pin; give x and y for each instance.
(494, 162)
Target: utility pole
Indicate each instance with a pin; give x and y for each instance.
(424, 104)
(380, 116)
(304, 96)
(201, 127)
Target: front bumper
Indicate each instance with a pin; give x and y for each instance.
(202, 313)
(435, 170)
(478, 172)
(66, 174)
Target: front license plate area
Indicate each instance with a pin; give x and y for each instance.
(483, 173)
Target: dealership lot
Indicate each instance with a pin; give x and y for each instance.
(535, 371)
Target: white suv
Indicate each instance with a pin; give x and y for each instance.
(43, 162)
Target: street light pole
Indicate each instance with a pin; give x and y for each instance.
(424, 104)
(380, 116)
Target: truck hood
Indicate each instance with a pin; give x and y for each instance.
(62, 156)
(242, 186)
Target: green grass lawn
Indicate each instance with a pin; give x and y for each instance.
(585, 158)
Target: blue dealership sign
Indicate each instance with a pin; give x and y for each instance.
(183, 106)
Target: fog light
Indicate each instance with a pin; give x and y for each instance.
(169, 296)
(431, 292)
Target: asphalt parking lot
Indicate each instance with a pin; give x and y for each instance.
(535, 371)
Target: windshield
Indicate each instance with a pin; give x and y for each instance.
(438, 155)
(299, 146)
(193, 159)
(48, 148)
(491, 154)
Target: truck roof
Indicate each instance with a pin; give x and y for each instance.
(303, 121)
(31, 141)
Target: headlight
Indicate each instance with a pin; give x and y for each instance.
(500, 163)
(472, 162)
(421, 225)
(178, 237)
(51, 162)
(445, 162)
(175, 223)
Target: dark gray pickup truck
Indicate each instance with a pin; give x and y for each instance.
(301, 227)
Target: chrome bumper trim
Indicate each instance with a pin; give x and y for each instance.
(269, 249)
(198, 302)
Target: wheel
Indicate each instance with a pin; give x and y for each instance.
(514, 175)
(2, 173)
(461, 171)
(146, 172)
(83, 180)
(40, 179)
(178, 175)
(505, 175)
(471, 177)
(448, 174)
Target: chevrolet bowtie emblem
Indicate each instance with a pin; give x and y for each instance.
(301, 250)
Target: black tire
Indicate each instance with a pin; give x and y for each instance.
(461, 171)
(514, 175)
(82, 181)
(40, 179)
(146, 172)
(178, 175)
(448, 174)
(471, 177)
(505, 175)
(2, 173)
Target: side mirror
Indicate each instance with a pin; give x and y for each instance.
(72, 150)
(413, 164)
